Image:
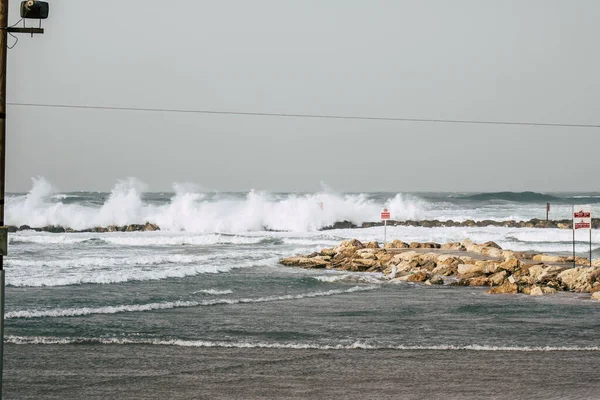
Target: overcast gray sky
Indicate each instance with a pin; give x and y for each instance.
(534, 60)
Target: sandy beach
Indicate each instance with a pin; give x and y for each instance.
(162, 372)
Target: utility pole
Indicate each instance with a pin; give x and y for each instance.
(34, 10)
(3, 51)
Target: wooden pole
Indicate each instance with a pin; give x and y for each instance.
(3, 51)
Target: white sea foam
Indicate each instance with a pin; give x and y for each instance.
(82, 311)
(350, 278)
(213, 292)
(194, 212)
(158, 259)
(133, 239)
(357, 345)
(26, 276)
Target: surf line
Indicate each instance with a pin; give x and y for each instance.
(83, 311)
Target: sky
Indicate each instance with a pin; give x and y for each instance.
(498, 60)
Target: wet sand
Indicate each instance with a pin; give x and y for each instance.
(169, 372)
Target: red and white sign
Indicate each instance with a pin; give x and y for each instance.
(582, 217)
(385, 214)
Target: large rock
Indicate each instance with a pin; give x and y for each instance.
(549, 259)
(536, 291)
(549, 273)
(436, 280)
(367, 253)
(498, 278)
(480, 267)
(396, 244)
(576, 279)
(596, 296)
(305, 262)
(454, 246)
(506, 288)
(511, 264)
(349, 245)
(479, 281)
(421, 276)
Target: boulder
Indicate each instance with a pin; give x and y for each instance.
(545, 258)
(405, 256)
(151, 227)
(407, 266)
(479, 281)
(421, 276)
(505, 288)
(328, 252)
(305, 262)
(549, 273)
(354, 244)
(576, 279)
(368, 254)
(548, 290)
(445, 269)
(536, 291)
(430, 245)
(480, 267)
(361, 265)
(492, 244)
(596, 296)
(511, 264)
(436, 280)
(372, 245)
(498, 278)
(399, 244)
(454, 246)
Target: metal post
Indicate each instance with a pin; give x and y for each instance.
(573, 243)
(590, 245)
(3, 50)
(384, 232)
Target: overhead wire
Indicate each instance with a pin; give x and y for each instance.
(300, 115)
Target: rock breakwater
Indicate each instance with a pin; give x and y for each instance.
(460, 264)
(434, 223)
(111, 228)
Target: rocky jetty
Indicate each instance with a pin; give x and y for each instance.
(112, 228)
(460, 264)
(532, 223)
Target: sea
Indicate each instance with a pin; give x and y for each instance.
(203, 309)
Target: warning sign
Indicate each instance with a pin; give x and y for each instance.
(582, 217)
(385, 214)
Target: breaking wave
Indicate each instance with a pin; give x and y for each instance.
(73, 274)
(192, 211)
(357, 345)
(82, 311)
(213, 292)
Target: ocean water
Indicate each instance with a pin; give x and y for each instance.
(210, 281)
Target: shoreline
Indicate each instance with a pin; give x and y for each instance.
(114, 371)
(460, 264)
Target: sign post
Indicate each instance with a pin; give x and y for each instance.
(385, 215)
(547, 211)
(582, 219)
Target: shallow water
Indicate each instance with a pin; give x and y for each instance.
(197, 313)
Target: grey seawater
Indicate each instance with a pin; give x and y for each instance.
(390, 341)
(213, 315)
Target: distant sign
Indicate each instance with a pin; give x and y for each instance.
(385, 214)
(582, 217)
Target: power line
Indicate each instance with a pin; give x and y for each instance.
(314, 116)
